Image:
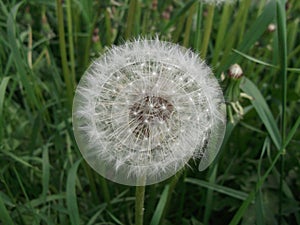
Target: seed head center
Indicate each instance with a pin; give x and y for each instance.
(147, 112)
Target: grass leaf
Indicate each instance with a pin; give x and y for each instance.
(160, 207)
(263, 111)
(255, 31)
(4, 215)
(218, 188)
(71, 194)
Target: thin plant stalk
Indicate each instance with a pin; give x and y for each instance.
(63, 54)
(131, 18)
(221, 32)
(207, 30)
(197, 40)
(70, 41)
(139, 204)
(282, 42)
(188, 26)
(209, 196)
(171, 188)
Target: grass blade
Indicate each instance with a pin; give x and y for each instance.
(130, 25)
(218, 188)
(282, 59)
(252, 35)
(3, 86)
(177, 16)
(160, 207)
(4, 215)
(263, 111)
(71, 194)
(241, 211)
(208, 28)
(292, 133)
(46, 173)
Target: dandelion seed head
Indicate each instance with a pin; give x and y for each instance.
(144, 109)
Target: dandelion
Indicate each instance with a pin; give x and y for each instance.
(144, 109)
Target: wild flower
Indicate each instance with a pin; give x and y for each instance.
(144, 109)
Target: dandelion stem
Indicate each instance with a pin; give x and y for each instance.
(139, 204)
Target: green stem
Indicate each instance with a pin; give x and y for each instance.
(139, 204)
(172, 186)
(70, 40)
(209, 194)
(105, 192)
(63, 54)
(188, 26)
(207, 30)
(221, 32)
(282, 46)
(131, 19)
(243, 23)
(197, 40)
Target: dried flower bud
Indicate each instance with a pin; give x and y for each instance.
(235, 71)
(144, 109)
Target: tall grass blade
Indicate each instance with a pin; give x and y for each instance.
(71, 194)
(292, 133)
(130, 25)
(4, 215)
(255, 31)
(177, 16)
(263, 111)
(282, 59)
(218, 188)
(241, 211)
(46, 172)
(157, 215)
(3, 86)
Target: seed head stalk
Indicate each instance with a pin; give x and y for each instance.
(139, 203)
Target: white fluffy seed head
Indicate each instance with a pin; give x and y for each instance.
(144, 109)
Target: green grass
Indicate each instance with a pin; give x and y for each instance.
(45, 46)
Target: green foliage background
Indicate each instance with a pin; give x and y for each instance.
(45, 46)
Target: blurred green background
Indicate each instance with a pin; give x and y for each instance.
(45, 47)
